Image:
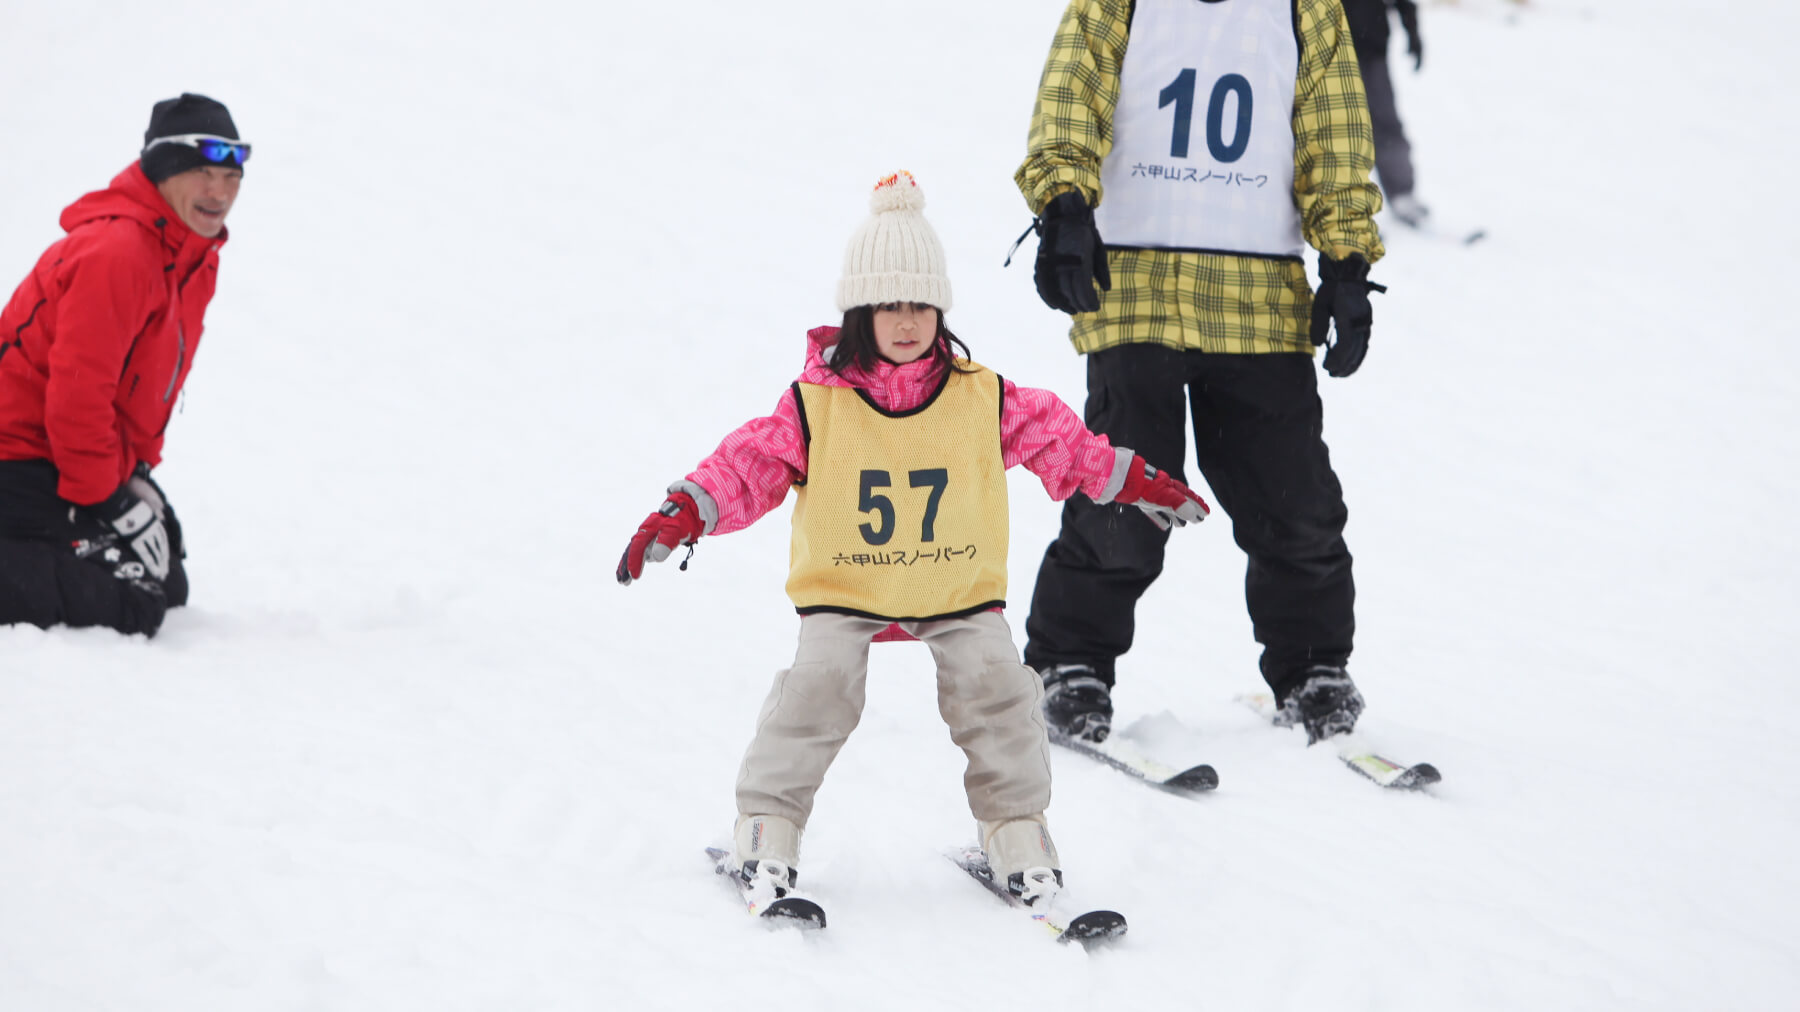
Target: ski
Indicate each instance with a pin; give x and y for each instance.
(1389, 773)
(802, 912)
(1452, 234)
(1467, 237)
(1136, 764)
(1088, 929)
(1359, 756)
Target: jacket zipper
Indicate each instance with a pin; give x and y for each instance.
(180, 355)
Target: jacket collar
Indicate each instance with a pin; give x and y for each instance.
(892, 387)
(132, 195)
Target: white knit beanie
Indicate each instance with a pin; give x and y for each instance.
(895, 256)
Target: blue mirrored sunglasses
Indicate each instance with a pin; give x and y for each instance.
(217, 150)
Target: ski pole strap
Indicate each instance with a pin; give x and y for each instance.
(1020, 241)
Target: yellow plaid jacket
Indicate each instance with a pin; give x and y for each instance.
(1201, 301)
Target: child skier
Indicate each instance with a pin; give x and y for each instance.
(898, 447)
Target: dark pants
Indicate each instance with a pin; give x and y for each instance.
(42, 579)
(1258, 427)
(1393, 155)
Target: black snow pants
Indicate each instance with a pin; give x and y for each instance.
(1258, 431)
(44, 582)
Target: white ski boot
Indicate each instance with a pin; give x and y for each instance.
(766, 854)
(1023, 857)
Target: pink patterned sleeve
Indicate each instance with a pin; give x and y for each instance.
(1041, 432)
(753, 468)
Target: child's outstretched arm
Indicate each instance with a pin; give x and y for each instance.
(753, 468)
(1041, 432)
(747, 476)
(1045, 435)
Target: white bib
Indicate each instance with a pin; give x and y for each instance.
(1203, 136)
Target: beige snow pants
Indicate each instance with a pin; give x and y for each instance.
(992, 702)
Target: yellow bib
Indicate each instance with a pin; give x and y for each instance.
(902, 515)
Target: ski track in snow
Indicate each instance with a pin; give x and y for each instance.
(495, 281)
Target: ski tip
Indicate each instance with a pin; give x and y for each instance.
(1474, 237)
(1390, 774)
(1416, 777)
(1194, 780)
(803, 913)
(1093, 927)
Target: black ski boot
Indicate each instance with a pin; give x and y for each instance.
(1077, 704)
(1325, 702)
(142, 602)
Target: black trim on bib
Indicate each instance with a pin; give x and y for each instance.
(805, 429)
(1210, 252)
(964, 613)
(943, 381)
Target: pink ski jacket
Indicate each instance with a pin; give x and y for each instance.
(753, 468)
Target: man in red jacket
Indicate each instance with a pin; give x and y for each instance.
(94, 348)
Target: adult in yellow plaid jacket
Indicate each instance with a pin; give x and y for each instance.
(1180, 153)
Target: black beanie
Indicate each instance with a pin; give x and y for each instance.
(172, 117)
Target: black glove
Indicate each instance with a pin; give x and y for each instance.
(1070, 256)
(139, 526)
(1343, 297)
(1409, 20)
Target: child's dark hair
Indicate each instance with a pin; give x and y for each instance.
(856, 343)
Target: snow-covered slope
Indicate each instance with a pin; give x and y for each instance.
(499, 273)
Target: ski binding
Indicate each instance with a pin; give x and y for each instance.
(1088, 929)
(798, 910)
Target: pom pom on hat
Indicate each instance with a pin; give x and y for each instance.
(895, 256)
(898, 192)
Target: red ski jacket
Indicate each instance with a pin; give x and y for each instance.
(99, 337)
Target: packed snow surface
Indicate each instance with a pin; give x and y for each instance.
(499, 273)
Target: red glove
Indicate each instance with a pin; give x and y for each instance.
(676, 523)
(1163, 499)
